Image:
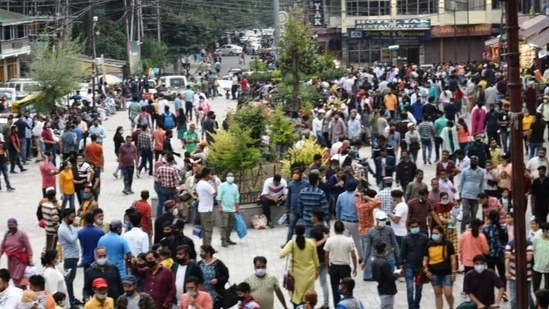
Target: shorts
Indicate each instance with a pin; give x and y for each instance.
(441, 280)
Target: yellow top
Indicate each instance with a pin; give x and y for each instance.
(168, 263)
(527, 122)
(66, 182)
(94, 303)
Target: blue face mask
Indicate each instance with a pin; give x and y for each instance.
(414, 230)
(85, 196)
(339, 291)
(435, 237)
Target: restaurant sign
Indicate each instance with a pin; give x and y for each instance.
(393, 24)
(448, 31)
(390, 35)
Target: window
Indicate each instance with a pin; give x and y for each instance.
(416, 7)
(7, 33)
(21, 31)
(461, 5)
(368, 7)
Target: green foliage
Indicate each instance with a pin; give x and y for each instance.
(331, 74)
(58, 71)
(258, 65)
(282, 129)
(259, 77)
(154, 54)
(303, 155)
(297, 52)
(111, 41)
(254, 119)
(233, 150)
(307, 93)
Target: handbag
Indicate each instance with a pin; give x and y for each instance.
(197, 231)
(240, 226)
(421, 278)
(289, 280)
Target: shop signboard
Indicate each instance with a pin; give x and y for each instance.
(448, 31)
(317, 18)
(393, 24)
(391, 35)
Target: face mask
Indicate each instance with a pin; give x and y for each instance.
(261, 272)
(99, 222)
(129, 293)
(13, 230)
(70, 222)
(444, 202)
(436, 237)
(241, 298)
(102, 261)
(101, 296)
(381, 224)
(96, 124)
(175, 232)
(182, 261)
(202, 256)
(61, 304)
(339, 291)
(230, 179)
(414, 230)
(86, 196)
(480, 268)
(151, 264)
(192, 293)
(474, 165)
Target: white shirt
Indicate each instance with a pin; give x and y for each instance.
(269, 188)
(339, 246)
(161, 104)
(317, 126)
(401, 211)
(335, 148)
(205, 192)
(55, 282)
(138, 241)
(533, 165)
(180, 280)
(10, 297)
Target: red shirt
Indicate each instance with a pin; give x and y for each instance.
(94, 154)
(47, 135)
(48, 178)
(144, 208)
(243, 83)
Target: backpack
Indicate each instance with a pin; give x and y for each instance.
(168, 121)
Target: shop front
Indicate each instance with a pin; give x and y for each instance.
(461, 43)
(396, 41)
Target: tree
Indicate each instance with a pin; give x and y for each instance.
(111, 41)
(154, 53)
(283, 132)
(58, 70)
(297, 52)
(254, 119)
(233, 150)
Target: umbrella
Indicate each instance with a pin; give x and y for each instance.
(110, 79)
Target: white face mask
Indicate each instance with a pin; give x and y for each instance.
(230, 179)
(444, 202)
(261, 272)
(381, 224)
(102, 261)
(480, 268)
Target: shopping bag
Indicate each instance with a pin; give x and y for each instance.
(197, 231)
(240, 226)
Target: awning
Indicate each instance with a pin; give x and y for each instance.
(491, 42)
(540, 40)
(534, 26)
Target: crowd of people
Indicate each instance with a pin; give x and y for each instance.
(337, 223)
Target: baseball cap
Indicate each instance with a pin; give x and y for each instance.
(381, 215)
(100, 283)
(116, 224)
(130, 279)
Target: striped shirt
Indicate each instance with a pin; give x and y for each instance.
(51, 217)
(426, 130)
(510, 252)
(309, 198)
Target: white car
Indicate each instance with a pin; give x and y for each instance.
(229, 50)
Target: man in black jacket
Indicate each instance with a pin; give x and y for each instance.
(167, 216)
(183, 268)
(383, 274)
(102, 268)
(179, 239)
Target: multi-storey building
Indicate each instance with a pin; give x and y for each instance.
(410, 31)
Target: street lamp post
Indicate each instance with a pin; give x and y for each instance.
(94, 65)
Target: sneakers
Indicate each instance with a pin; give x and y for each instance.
(138, 174)
(10, 189)
(115, 175)
(230, 242)
(224, 244)
(23, 170)
(125, 192)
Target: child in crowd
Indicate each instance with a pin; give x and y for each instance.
(510, 227)
(166, 258)
(506, 200)
(59, 298)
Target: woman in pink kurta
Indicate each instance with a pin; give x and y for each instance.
(17, 247)
(478, 117)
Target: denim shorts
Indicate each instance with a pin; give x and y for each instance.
(441, 280)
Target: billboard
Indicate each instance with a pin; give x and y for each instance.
(134, 58)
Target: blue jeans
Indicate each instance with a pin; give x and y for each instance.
(51, 148)
(504, 135)
(23, 149)
(4, 171)
(294, 217)
(70, 199)
(534, 148)
(513, 294)
(413, 299)
(322, 279)
(146, 157)
(127, 172)
(70, 266)
(161, 199)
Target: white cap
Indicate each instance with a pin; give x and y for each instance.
(532, 218)
(381, 215)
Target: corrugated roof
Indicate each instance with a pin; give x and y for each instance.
(534, 26)
(9, 18)
(540, 39)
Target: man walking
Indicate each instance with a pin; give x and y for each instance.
(346, 212)
(292, 201)
(382, 272)
(471, 183)
(127, 159)
(339, 251)
(310, 198)
(4, 165)
(412, 249)
(68, 238)
(168, 177)
(228, 199)
(206, 189)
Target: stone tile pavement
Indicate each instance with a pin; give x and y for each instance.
(22, 204)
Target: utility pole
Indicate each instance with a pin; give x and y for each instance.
(517, 157)
(158, 24)
(276, 12)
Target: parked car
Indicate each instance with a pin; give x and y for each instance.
(23, 87)
(170, 85)
(229, 50)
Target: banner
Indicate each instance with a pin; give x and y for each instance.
(317, 17)
(134, 57)
(448, 31)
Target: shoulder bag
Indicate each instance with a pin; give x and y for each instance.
(289, 279)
